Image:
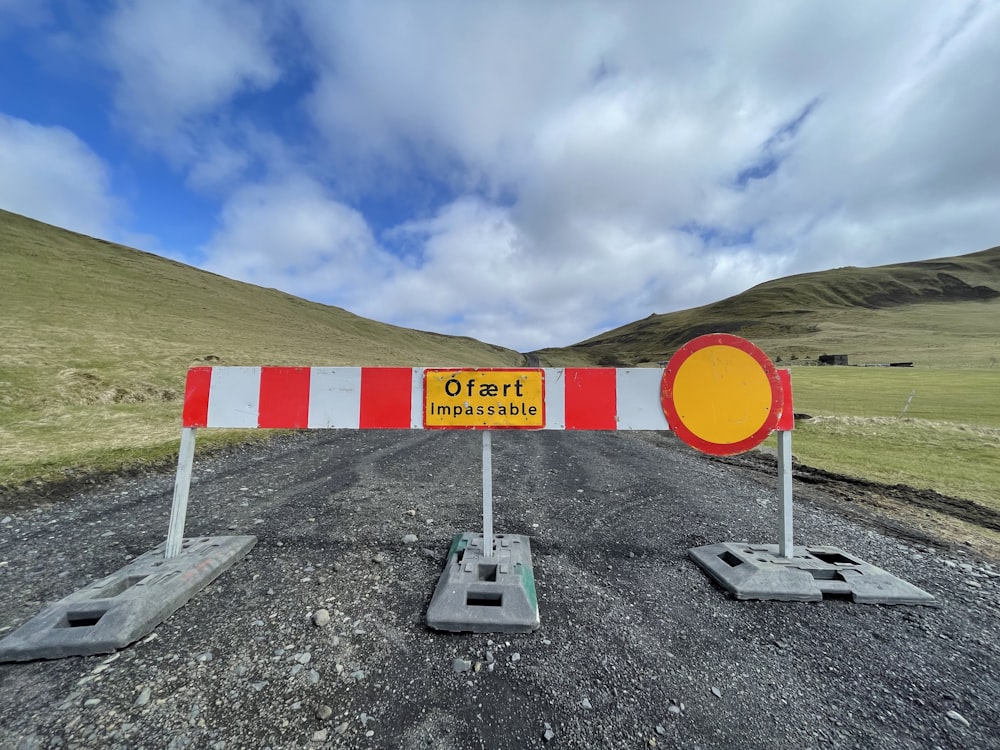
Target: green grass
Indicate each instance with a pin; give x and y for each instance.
(942, 313)
(948, 439)
(97, 338)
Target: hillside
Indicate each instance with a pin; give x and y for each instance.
(97, 338)
(941, 313)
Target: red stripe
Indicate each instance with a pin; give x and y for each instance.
(386, 394)
(196, 390)
(787, 419)
(284, 397)
(591, 398)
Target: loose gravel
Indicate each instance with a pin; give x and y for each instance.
(317, 639)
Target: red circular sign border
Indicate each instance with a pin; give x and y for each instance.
(673, 418)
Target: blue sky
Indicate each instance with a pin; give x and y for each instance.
(526, 173)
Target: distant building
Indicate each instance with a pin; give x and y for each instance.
(833, 359)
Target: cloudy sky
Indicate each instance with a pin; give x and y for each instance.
(527, 173)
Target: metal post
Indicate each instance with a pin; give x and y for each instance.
(182, 484)
(487, 493)
(785, 547)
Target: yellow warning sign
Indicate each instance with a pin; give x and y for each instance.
(721, 394)
(484, 399)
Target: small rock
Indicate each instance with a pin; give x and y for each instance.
(324, 712)
(342, 728)
(974, 584)
(380, 558)
(548, 734)
(144, 696)
(6, 519)
(91, 702)
(427, 552)
(716, 692)
(953, 715)
(411, 512)
(370, 733)
(410, 539)
(303, 658)
(312, 676)
(515, 657)
(585, 703)
(205, 657)
(321, 618)
(461, 665)
(660, 729)
(320, 735)
(675, 710)
(358, 675)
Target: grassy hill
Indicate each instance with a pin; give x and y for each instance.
(97, 338)
(935, 426)
(938, 313)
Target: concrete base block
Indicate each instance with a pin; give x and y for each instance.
(482, 594)
(118, 610)
(755, 571)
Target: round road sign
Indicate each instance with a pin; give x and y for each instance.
(721, 394)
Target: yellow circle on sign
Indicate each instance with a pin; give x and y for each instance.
(722, 394)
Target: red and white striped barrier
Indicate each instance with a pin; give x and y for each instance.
(718, 393)
(386, 398)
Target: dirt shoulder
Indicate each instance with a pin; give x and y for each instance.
(923, 516)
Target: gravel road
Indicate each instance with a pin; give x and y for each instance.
(637, 649)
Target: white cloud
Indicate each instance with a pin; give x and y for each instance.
(49, 174)
(178, 67)
(531, 174)
(604, 161)
(293, 235)
(185, 58)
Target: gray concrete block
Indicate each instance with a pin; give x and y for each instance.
(482, 594)
(756, 571)
(120, 609)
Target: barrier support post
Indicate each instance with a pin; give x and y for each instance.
(182, 485)
(487, 493)
(785, 547)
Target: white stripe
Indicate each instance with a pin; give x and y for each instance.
(234, 398)
(638, 394)
(555, 398)
(335, 397)
(417, 399)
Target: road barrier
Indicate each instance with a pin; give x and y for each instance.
(719, 393)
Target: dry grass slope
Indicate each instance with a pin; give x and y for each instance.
(97, 338)
(941, 313)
